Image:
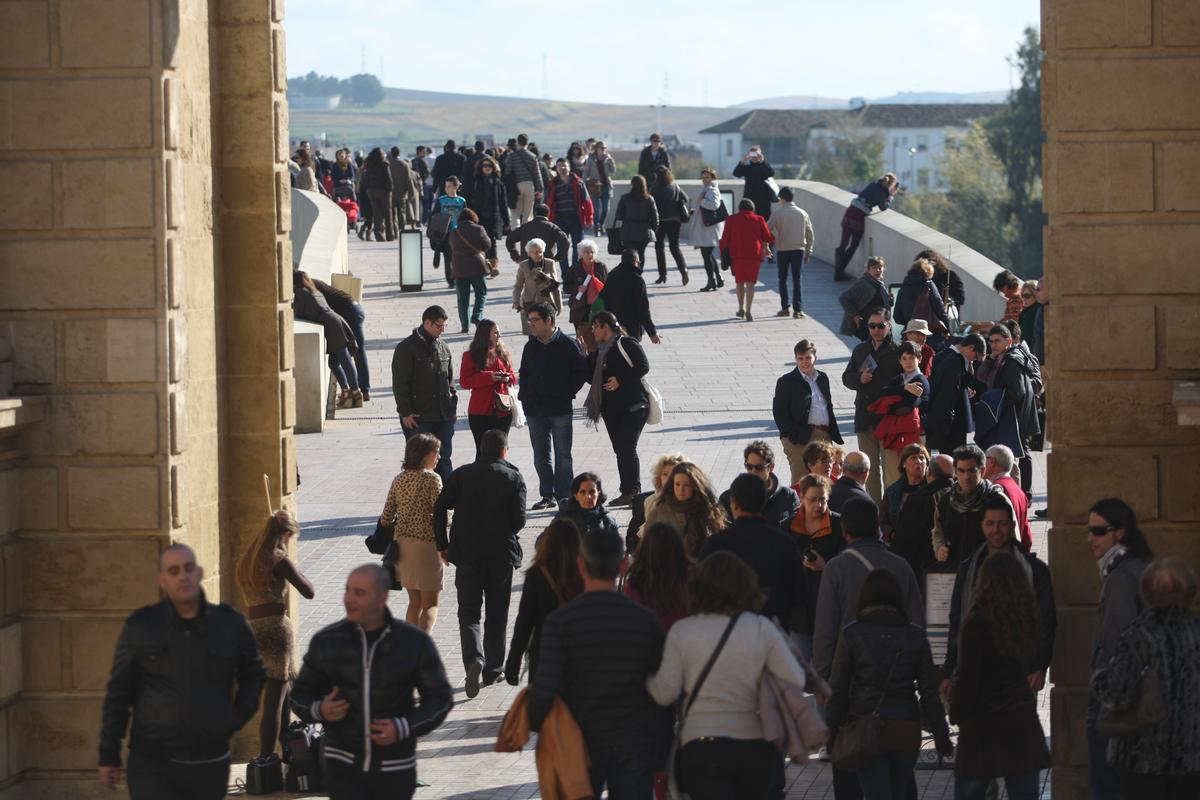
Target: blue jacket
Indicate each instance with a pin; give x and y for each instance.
(551, 375)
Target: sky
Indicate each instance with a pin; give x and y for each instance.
(710, 52)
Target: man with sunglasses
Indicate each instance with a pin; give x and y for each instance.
(872, 366)
(781, 503)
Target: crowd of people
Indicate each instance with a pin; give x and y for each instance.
(644, 653)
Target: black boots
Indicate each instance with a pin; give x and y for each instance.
(840, 260)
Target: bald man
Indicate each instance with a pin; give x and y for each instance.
(856, 467)
(358, 679)
(190, 673)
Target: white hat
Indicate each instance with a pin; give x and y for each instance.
(917, 326)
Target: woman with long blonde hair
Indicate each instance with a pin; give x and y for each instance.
(263, 574)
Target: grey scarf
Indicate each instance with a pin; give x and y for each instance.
(1108, 562)
(592, 404)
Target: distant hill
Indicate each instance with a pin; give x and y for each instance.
(411, 117)
(408, 117)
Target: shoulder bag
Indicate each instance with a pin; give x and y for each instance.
(615, 246)
(1148, 710)
(857, 742)
(673, 788)
(681, 204)
(711, 216)
(653, 396)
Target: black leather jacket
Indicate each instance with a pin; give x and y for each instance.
(178, 678)
(378, 682)
(488, 498)
(866, 651)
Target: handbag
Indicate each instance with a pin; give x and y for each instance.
(264, 775)
(615, 247)
(673, 788)
(710, 216)
(774, 189)
(593, 187)
(653, 396)
(1148, 710)
(377, 542)
(302, 752)
(685, 213)
(503, 404)
(857, 742)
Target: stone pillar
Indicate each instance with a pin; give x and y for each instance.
(1122, 164)
(143, 289)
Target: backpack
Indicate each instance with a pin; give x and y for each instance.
(303, 756)
(923, 309)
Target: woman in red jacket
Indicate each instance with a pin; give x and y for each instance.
(487, 371)
(743, 239)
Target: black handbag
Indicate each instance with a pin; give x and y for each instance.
(711, 217)
(377, 542)
(615, 247)
(264, 775)
(857, 742)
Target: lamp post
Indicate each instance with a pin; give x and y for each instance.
(411, 255)
(912, 159)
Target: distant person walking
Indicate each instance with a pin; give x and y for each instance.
(625, 296)
(487, 372)
(377, 177)
(469, 244)
(423, 385)
(746, 238)
(637, 214)
(570, 207)
(653, 156)
(489, 199)
(673, 211)
(538, 281)
(706, 229)
(793, 232)
(522, 165)
(758, 176)
(582, 284)
(597, 175)
(878, 194)
(617, 395)
(408, 511)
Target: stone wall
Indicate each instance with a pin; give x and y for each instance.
(142, 287)
(1122, 160)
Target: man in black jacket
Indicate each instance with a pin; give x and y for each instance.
(872, 366)
(856, 470)
(768, 551)
(423, 385)
(596, 653)
(803, 408)
(552, 373)
(653, 156)
(951, 384)
(780, 503)
(175, 666)
(358, 679)
(540, 227)
(489, 501)
(1000, 538)
(625, 296)
(450, 162)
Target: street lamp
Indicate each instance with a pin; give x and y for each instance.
(912, 158)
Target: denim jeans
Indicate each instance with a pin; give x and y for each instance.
(1019, 787)
(1103, 778)
(355, 321)
(627, 771)
(601, 210)
(790, 261)
(464, 286)
(485, 586)
(546, 431)
(888, 775)
(624, 429)
(444, 433)
(574, 229)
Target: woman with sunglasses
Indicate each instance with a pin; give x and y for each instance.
(1029, 313)
(1122, 554)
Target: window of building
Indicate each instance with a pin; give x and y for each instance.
(729, 147)
(922, 141)
(905, 176)
(923, 178)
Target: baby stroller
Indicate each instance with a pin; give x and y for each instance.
(343, 195)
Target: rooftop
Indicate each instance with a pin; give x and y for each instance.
(781, 123)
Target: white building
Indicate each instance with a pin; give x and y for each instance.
(914, 136)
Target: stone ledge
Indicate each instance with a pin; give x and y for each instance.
(1186, 399)
(17, 412)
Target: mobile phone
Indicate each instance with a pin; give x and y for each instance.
(810, 556)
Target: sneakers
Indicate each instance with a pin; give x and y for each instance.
(782, 313)
(474, 670)
(543, 504)
(797, 314)
(823, 754)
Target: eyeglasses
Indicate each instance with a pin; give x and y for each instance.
(757, 467)
(877, 326)
(533, 319)
(1099, 530)
(439, 325)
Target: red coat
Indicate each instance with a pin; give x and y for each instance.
(744, 236)
(1020, 507)
(895, 432)
(587, 211)
(481, 384)
(926, 364)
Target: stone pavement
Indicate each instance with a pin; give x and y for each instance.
(716, 374)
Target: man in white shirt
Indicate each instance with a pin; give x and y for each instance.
(793, 233)
(803, 408)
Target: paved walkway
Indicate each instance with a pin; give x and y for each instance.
(717, 375)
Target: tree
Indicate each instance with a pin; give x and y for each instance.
(364, 90)
(358, 90)
(1015, 136)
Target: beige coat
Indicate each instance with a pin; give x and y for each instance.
(792, 228)
(526, 289)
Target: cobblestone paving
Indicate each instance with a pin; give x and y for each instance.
(716, 374)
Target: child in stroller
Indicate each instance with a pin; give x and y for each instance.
(343, 195)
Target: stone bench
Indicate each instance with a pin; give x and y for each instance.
(312, 377)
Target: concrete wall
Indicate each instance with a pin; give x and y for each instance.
(143, 287)
(318, 235)
(889, 234)
(1122, 159)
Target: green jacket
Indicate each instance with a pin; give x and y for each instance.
(423, 379)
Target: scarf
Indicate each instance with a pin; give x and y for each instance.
(967, 504)
(1108, 562)
(592, 404)
(800, 525)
